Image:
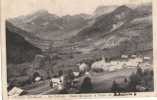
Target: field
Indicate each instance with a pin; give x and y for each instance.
(102, 82)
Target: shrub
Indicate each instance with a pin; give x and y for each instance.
(86, 86)
(115, 87)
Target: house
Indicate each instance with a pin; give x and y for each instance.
(107, 66)
(15, 91)
(83, 67)
(76, 74)
(131, 63)
(88, 74)
(146, 58)
(114, 62)
(124, 56)
(134, 62)
(133, 56)
(37, 79)
(57, 83)
(99, 64)
(113, 68)
(40, 73)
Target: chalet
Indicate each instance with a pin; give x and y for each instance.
(124, 56)
(76, 74)
(133, 56)
(146, 58)
(83, 67)
(57, 83)
(15, 91)
(37, 79)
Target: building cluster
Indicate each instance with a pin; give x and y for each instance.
(124, 62)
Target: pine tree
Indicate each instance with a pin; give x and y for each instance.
(86, 86)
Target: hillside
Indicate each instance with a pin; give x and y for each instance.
(19, 50)
(121, 28)
(108, 22)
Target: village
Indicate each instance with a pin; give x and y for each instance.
(86, 78)
(98, 48)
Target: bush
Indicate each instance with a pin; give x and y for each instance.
(115, 87)
(139, 71)
(60, 73)
(69, 79)
(134, 80)
(86, 86)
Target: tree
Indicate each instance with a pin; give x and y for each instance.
(132, 83)
(139, 71)
(125, 80)
(115, 87)
(60, 73)
(70, 74)
(69, 77)
(86, 86)
(36, 74)
(135, 80)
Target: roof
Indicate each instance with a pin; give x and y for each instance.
(124, 56)
(15, 91)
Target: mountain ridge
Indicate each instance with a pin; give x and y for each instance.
(104, 27)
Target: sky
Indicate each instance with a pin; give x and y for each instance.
(14, 8)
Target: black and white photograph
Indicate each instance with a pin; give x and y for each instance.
(79, 47)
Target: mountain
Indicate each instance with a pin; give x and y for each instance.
(86, 33)
(108, 22)
(49, 26)
(113, 30)
(74, 22)
(31, 21)
(101, 10)
(137, 32)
